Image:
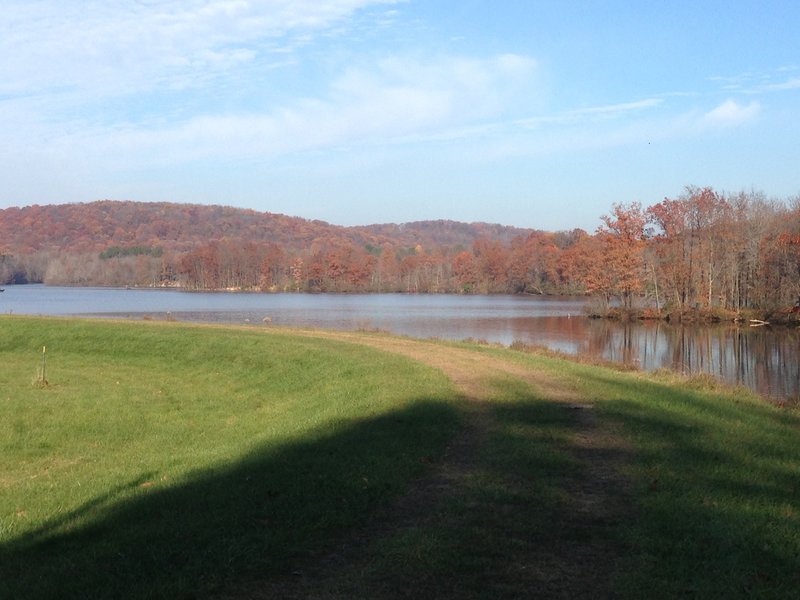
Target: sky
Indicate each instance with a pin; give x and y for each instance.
(526, 113)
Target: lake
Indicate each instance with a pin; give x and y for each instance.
(762, 358)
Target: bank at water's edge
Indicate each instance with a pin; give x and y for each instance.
(789, 317)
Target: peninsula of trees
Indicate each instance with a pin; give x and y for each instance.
(700, 251)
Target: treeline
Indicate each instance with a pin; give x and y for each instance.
(702, 251)
(116, 252)
(529, 264)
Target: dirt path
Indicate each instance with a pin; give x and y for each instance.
(558, 567)
(468, 370)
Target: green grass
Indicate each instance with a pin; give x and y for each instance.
(511, 528)
(175, 461)
(716, 484)
(169, 461)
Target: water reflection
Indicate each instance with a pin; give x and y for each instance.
(762, 358)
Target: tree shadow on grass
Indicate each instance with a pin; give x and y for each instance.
(713, 516)
(233, 523)
(711, 510)
(718, 493)
(513, 524)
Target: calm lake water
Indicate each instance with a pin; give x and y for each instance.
(762, 358)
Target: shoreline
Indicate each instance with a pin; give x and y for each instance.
(748, 317)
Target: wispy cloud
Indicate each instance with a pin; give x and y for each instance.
(789, 84)
(119, 47)
(731, 113)
(403, 102)
(591, 113)
(395, 97)
(137, 84)
(635, 124)
(615, 109)
(750, 82)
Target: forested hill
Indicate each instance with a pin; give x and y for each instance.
(701, 251)
(218, 247)
(98, 226)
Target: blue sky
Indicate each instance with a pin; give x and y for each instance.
(535, 114)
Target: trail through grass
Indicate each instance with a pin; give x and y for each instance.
(518, 507)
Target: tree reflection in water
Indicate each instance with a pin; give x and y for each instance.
(762, 358)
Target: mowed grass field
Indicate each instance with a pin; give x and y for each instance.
(166, 460)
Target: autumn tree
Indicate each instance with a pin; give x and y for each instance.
(693, 237)
(576, 262)
(273, 267)
(619, 267)
(385, 274)
(465, 271)
(710, 218)
(8, 268)
(491, 258)
(781, 251)
(533, 264)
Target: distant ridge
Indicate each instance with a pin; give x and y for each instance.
(96, 226)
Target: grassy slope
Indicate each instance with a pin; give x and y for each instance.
(228, 456)
(716, 484)
(169, 460)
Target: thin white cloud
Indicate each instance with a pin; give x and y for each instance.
(759, 83)
(591, 129)
(624, 107)
(790, 84)
(591, 113)
(731, 113)
(67, 56)
(403, 102)
(119, 47)
(583, 117)
(397, 97)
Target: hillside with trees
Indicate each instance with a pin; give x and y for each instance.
(703, 251)
(217, 247)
